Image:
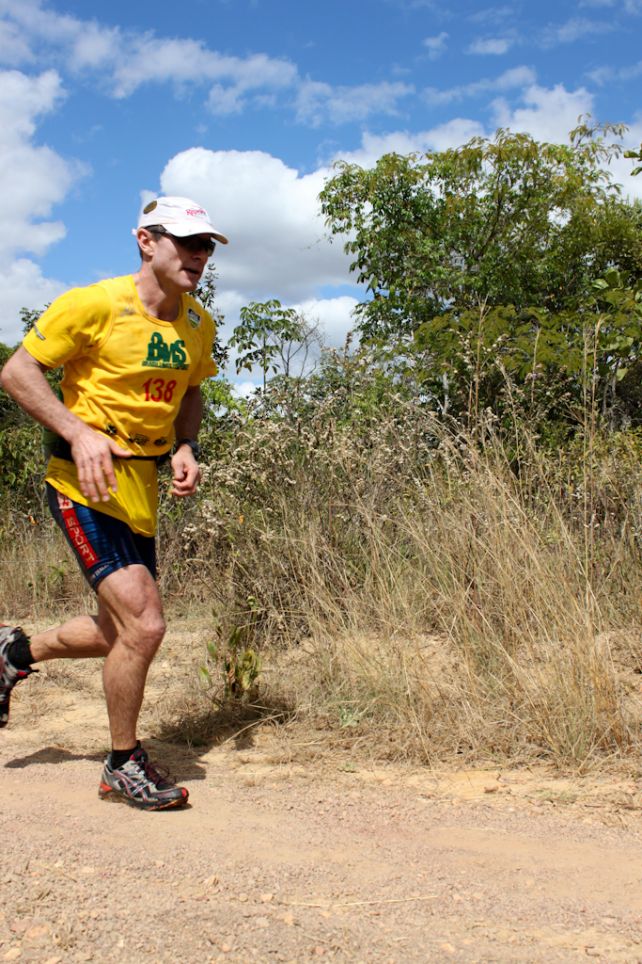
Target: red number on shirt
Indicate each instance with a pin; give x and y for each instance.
(157, 390)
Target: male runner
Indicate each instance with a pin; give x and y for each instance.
(134, 351)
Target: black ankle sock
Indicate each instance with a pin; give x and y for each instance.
(19, 653)
(117, 758)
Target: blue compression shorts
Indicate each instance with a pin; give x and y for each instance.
(100, 543)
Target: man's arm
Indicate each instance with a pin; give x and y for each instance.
(23, 378)
(185, 471)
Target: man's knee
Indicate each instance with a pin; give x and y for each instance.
(129, 599)
(142, 633)
(146, 634)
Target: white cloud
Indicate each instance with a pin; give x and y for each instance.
(621, 167)
(22, 100)
(574, 29)
(510, 79)
(14, 50)
(223, 101)
(278, 241)
(22, 285)
(125, 60)
(602, 75)
(244, 389)
(451, 134)
(436, 45)
(627, 6)
(493, 14)
(548, 114)
(33, 179)
(317, 102)
(333, 314)
(495, 46)
(150, 59)
(609, 75)
(279, 246)
(332, 318)
(95, 47)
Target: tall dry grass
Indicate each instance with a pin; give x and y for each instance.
(38, 577)
(416, 591)
(447, 595)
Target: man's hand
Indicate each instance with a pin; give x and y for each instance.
(24, 379)
(185, 472)
(92, 453)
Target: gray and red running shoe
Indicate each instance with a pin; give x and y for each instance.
(9, 674)
(141, 784)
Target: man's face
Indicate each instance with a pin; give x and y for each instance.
(178, 262)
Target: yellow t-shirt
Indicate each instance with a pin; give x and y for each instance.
(125, 374)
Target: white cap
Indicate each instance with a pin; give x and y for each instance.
(180, 216)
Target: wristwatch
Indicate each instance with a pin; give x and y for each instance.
(193, 444)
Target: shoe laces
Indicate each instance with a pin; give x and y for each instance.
(157, 774)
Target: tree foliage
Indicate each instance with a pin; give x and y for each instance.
(487, 268)
(269, 337)
(507, 221)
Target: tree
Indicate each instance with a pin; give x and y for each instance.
(507, 221)
(270, 336)
(636, 156)
(481, 266)
(206, 294)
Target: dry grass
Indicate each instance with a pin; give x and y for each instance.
(38, 576)
(462, 611)
(421, 603)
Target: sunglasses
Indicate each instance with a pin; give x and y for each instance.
(192, 243)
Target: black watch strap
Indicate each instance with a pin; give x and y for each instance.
(193, 444)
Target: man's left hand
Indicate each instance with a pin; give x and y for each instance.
(185, 472)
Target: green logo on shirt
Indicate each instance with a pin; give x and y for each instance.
(162, 355)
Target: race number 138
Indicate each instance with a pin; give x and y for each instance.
(158, 390)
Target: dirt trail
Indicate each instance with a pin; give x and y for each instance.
(287, 861)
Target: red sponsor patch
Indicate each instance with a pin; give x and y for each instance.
(76, 532)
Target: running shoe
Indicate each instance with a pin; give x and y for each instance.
(9, 674)
(141, 784)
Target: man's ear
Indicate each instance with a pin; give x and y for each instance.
(146, 242)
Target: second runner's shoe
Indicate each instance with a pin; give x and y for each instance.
(9, 674)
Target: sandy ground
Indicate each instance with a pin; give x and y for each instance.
(283, 857)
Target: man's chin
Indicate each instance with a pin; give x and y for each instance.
(191, 283)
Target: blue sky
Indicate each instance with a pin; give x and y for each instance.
(244, 105)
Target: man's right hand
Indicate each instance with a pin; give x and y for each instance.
(23, 377)
(93, 453)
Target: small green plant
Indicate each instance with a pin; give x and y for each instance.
(237, 665)
(349, 716)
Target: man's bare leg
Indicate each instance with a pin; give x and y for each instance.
(130, 600)
(127, 631)
(78, 638)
